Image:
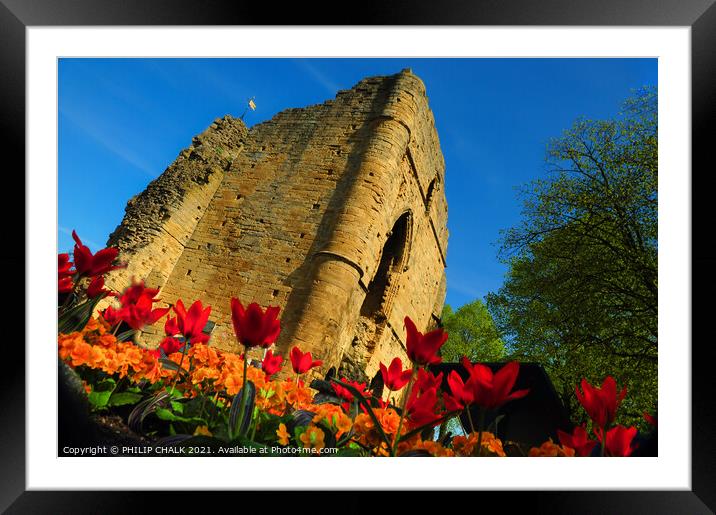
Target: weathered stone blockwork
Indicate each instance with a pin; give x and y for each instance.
(335, 212)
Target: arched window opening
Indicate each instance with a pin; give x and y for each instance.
(393, 259)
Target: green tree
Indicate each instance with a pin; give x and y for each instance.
(581, 293)
(472, 333)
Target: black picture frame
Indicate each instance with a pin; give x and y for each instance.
(699, 15)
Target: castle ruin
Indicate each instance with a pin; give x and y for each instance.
(334, 212)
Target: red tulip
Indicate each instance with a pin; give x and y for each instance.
(619, 441)
(394, 377)
(136, 310)
(344, 393)
(96, 288)
(600, 403)
(253, 327)
(421, 407)
(171, 327)
(191, 323)
(271, 364)
(112, 316)
(64, 274)
(427, 380)
(651, 420)
(301, 362)
(65, 285)
(451, 403)
(578, 441)
(170, 345)
(92, 265)
(490, 390)
(136, 291)
(423, 348)
(462, 393)
(64, 265)
(140, 314)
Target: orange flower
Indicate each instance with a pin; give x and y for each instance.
(551, 449)
(202, 430)
(151, 370)
(80, 353)
(492, 444)
(297, 395)
(363, 424)
(112, 361)
(202, 373)
(466, 446)
(312, 438)
(389, 420)
(96, 357)
(282, 434)
(106, 340)
(66, 344)
(334, 417)
(435, 448)
(94, 324)
(133, 356)
(204, 354)
(232, 382)
(462, 445)
(408, 444)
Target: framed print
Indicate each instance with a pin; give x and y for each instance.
(42, 43)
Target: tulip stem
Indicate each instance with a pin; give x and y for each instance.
(253, 430)
(480, 424)
(603, 443)
(176, 376)
(396, 438)
(469, 417)
(215, 409)
(242, 410)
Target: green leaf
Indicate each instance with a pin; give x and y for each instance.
(144, 408)
(101, 392)
(126, 335)
(76, 318)
(124, 398)
(237, 427)
(169, 415)
(99, 400)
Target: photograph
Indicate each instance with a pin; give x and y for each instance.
(431, 235)
(358, 257)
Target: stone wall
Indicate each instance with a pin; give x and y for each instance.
(334, 212)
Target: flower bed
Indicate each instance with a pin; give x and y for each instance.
(186, 394)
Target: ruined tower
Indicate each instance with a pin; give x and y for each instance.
(334, 212)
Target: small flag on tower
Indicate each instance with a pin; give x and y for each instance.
(250, 104)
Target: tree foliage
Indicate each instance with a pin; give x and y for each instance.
(581, 293)
(472, 333)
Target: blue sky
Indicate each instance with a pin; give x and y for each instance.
(121, 122)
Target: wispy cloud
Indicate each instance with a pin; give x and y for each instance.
(101, 136)
(87, 242)
(318, 75)
(464, 289)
